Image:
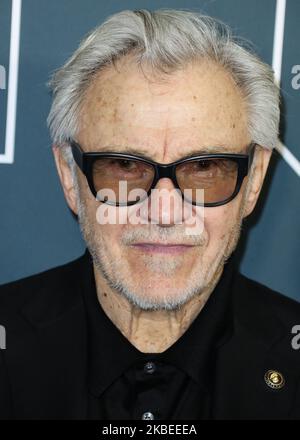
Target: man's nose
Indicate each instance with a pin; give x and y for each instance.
(165, 204)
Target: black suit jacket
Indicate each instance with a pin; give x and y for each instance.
(43, 370)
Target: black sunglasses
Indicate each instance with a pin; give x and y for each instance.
(219, 175)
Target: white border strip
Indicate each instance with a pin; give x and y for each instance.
(278, 38)
(8, 156)
(278, 41)
(290, 159)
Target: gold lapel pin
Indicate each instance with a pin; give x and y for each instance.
(274, 379)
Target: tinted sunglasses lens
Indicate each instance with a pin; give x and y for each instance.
(120, 180)
(217, 177)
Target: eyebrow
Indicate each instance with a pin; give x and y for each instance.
(126, 150)
(216, 149)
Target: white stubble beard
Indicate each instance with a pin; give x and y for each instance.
(119, 277)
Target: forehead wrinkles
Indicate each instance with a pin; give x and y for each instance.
(143, 116)
(118, 104)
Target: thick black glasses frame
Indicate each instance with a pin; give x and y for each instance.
(85, 162)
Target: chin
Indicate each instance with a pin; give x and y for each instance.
(162, 285)
(170, 301)
(164, 293)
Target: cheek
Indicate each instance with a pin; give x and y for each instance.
(219, 222)
(110, 235)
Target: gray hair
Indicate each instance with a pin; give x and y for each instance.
(166, 40)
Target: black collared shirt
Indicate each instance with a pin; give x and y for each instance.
(177, 384)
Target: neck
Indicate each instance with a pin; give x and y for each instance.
(150, 331)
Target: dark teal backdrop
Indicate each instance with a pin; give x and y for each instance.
(37, 231)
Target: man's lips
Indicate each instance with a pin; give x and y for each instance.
(163, 248)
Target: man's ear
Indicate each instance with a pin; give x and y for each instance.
(66, 178)
(258, 171)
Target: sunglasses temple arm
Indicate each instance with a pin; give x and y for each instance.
(77, 154)
(251, 156)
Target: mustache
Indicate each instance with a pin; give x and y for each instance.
(164, 235)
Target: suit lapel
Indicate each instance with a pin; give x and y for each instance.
(257, 346)
(49, 350)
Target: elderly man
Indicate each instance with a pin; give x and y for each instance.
(154, 321)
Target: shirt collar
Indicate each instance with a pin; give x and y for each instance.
(110, 353)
